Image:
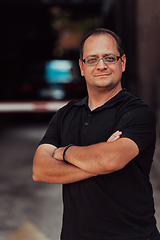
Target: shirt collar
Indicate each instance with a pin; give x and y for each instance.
(118, 97)
(81, 102)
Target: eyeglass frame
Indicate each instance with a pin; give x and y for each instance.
(118, 57)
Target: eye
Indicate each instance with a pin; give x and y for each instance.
(110, 59)
(91, 60)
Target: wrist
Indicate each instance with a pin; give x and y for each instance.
(64, 152)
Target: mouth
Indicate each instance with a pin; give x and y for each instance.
(103, 75)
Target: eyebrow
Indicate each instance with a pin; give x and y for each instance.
(96, 55)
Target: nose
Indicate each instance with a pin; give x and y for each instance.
(101, 64)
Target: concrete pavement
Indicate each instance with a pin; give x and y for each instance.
(22, 199)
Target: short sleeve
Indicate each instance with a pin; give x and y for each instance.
(52, 135)
(138, 124)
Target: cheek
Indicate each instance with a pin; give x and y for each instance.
(86, 72)
(118, 70)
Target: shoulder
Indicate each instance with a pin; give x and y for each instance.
(72, 104)
(135, 116)
(68, 109)
(135, 105)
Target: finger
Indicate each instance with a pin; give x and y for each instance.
(114, 136)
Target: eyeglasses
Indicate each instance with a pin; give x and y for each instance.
(107, 60)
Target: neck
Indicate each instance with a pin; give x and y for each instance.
(99, 98)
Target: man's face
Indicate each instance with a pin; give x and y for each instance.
(102, 75)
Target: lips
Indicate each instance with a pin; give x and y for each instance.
(102, 74)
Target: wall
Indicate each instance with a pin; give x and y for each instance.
(148, 51)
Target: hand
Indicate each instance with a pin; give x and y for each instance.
(115, 136)
(58, 153)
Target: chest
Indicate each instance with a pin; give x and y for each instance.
(85, 127)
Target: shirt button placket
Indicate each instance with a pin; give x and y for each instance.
(87, 123)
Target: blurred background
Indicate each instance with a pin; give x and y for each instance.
(39, 73)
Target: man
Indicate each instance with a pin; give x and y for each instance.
(106, 190)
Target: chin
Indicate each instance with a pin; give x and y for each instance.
(105, 85)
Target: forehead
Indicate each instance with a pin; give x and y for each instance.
(100, 44)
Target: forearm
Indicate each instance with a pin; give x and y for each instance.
(101, 158)
(48, 169)
(90, 158)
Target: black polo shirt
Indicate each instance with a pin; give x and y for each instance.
(115, 206)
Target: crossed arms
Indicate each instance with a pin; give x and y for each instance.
(85, 162)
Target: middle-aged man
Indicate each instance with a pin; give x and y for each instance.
(107, 194)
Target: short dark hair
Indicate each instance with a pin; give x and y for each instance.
(99, 31)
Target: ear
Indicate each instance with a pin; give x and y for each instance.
(81, 67)
(123, 63)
